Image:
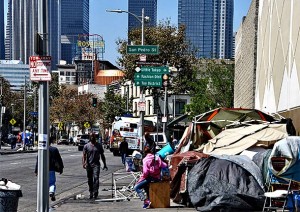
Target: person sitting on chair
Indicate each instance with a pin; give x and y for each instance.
(151, 173)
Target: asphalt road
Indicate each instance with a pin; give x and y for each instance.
(19, 168)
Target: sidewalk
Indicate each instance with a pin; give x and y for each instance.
(5, 150)
(105, 202)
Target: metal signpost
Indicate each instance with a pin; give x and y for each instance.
(40, 72)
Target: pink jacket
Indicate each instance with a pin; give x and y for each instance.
(151, 168)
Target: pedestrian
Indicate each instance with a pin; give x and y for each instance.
(123, 149)
(150, 142)
(13, 141)
(92, 152)
(152, 165)
(55, 165)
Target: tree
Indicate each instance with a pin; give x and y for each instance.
(112, 106)
(173, 51)
(213, 86)
(70, 107)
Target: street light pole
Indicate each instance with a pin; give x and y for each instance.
(141, 19)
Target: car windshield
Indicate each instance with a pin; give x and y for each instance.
(85, 137)
(160, 138)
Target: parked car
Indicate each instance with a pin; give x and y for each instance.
(159, 138)
(84, 139)
(76, 139)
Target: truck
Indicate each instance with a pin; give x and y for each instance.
(126, 128)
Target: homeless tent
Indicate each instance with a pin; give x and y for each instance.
(230, 183)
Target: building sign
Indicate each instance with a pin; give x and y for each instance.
(40, 68)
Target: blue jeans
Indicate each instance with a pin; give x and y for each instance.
(52, 180)
(123, 157)
(144, 184)
(93, 178)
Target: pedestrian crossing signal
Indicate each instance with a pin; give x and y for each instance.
(94, 103)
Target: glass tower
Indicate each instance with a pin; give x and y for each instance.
(136, 6)
(209, 26)
(2, 49)
(74, 23)
(22, 25)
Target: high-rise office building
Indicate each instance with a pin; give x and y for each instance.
(74, 23)
(8, 37)
(2, 48)
(22, 25)
(209, 26)
(136, 6)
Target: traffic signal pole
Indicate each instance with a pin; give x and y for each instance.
(43, 118)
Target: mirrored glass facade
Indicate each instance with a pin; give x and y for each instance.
(136, 6)
(74, 22)
(209, 26)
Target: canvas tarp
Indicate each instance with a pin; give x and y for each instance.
(230, 183)
(288, 148)
(234, 141)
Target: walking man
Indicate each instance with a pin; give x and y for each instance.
(123, 148)
(55, 165)
(92, 152)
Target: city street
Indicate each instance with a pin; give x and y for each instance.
(19, 168)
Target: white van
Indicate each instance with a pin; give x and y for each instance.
(159, 138)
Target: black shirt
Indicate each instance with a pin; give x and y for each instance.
(93, 153)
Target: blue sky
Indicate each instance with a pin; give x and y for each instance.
(112, 26)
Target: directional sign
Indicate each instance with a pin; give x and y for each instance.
(148, 83)
(151, 77)
(33, 113)
(40, 68)
(155, 69)
(12, 121)
(143, 49)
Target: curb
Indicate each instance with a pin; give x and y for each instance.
(16, 152)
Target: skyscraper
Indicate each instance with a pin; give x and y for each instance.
(8, 37)
(2, 49)
(209, 26)
(136, 6)
(74, 22)
(22, 25)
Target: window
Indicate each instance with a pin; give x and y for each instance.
(179, 106)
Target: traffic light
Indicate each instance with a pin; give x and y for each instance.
(94, 103)
(165, 80)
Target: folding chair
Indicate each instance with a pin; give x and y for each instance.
(279, 190)
(123, 185)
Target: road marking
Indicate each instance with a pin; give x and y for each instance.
(14, 163)
(75, 155)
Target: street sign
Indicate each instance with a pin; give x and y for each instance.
(33, 113)
(40, 68)
(151, 77)
(148, 63)
(87, 125)
(142, 49)
(148, 83)
(12, 121)
(142, 106)
(60, 126)
(155, 69)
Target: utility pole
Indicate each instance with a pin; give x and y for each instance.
(24, 115)
(43, 118)
(142, 113)
(1, 99)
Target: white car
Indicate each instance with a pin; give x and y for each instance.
(159, 138)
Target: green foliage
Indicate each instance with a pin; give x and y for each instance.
(213, 86)
(114, 105)
(71, 107)
(173, 51)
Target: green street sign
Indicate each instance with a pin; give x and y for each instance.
(148, 83)
(143, 49)
(155, 69)
(145, 77)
